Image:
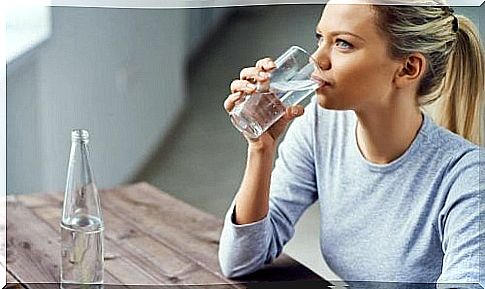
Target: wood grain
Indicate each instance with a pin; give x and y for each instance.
(33, 250)
(134, 257)
(187, 229)
(151, 238)
(171, 220)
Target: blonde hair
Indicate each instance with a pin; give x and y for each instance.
(454, 79)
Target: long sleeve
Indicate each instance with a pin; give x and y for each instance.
(416, 219)
(246, 248)
(459, 219)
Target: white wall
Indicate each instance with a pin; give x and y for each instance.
(203, 22)
(117, 72)
(24, 165)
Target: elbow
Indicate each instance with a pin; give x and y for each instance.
(233, 267)
(232, 272)
(240, 253)
(229, 272)
(230, 269)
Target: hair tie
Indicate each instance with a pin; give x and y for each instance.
(455, 23)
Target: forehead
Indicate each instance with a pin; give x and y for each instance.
(355, 18)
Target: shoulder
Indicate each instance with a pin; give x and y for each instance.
(451, 148)
(459, 160)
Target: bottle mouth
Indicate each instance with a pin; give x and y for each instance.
(80, 135)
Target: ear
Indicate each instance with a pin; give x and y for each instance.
(410, 70)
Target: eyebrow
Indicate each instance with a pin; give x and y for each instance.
(334, 33)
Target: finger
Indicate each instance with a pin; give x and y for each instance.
(231, 100)
(294, 112)
(265, 64)
(245, 86)
(297, 110)
(253, 74)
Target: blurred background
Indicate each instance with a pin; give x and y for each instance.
(149, 85)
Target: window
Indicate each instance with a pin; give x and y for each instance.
(26, 27)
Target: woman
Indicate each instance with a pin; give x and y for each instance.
(398, 194)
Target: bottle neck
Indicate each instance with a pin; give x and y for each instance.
(81, 199)
(80, 135)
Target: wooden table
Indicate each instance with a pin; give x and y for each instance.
(150, 238)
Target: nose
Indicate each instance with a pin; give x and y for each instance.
(321, 58)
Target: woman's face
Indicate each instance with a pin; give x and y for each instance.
(353, 58)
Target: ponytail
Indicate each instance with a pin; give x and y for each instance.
(452, 87)
(462, 89)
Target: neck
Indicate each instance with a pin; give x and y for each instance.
(385, 135)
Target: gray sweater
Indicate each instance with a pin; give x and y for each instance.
(415, 219)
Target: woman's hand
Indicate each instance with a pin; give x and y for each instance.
(249, 79)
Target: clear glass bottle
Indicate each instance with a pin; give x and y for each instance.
(82, 221)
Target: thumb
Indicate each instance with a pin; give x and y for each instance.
(291, 113)
(294, 112)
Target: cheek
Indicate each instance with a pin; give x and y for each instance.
(362, 77)
(352, 77)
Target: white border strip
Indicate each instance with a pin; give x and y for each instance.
(227, 3)
(3, 156)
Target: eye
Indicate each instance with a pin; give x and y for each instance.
(319, 38)
(343, 44)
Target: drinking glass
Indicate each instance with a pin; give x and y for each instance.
(289, 83)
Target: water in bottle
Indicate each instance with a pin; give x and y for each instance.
(82, 262)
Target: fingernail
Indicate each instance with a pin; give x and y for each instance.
(251, 86)
(295, 110)
(269, 66)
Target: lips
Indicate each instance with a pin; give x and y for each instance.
(320, 80)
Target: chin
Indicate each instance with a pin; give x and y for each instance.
(328, 102)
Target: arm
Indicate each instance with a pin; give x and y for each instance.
(459, 221)
(253, 196)
(247, 244)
